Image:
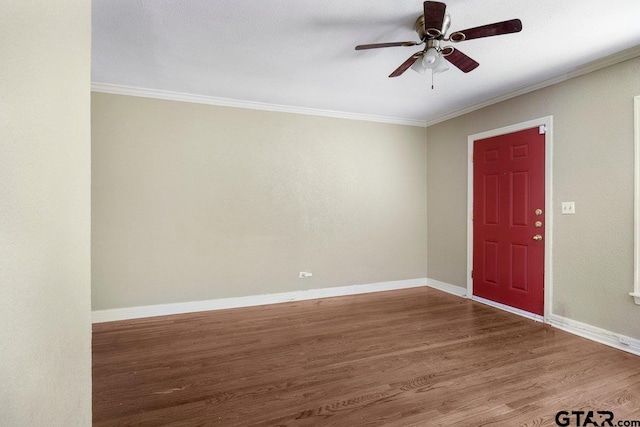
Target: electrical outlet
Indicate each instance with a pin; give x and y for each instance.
(304, 275)
(624, 340)
(568, 208)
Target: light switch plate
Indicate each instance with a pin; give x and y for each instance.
(568, 208)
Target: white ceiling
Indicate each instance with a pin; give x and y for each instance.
(300, 53)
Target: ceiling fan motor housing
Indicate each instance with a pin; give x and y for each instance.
(424, 33)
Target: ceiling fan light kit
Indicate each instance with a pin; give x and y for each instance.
(431, 60)
(432, 27)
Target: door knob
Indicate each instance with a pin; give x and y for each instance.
(537, 237)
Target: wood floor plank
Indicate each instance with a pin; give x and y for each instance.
(412, 357)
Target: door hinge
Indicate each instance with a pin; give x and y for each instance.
(542, 129)
(472, 274)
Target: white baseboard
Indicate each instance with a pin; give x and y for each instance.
(595, 334)
(447, 287)
(584, 330)
(513, 310)
(110, 315)
(581, 329)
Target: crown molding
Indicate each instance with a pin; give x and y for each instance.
(584, 69)
(252, 105)
(235, 103)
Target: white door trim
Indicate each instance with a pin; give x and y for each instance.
(548, 199)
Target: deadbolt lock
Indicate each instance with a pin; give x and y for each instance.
(538, 212)
(538, 224)
(537, 237)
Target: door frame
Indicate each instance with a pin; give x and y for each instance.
(546, 121)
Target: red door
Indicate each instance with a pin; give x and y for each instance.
(508, 220)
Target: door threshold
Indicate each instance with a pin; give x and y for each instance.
(510, 309)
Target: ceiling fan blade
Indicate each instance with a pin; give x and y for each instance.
(462, 61)
(504, 27)
(434, 15)
(393, 44)
(406, 65)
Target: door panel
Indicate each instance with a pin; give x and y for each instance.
(491, 199)
(491, 262)
(508, 264)
(519, 193)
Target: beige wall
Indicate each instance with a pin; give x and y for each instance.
(194, 202)
(45, 332)
(593, 166)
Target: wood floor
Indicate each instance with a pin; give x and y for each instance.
(415, 357)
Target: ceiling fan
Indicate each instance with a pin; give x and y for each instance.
(432, 27)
